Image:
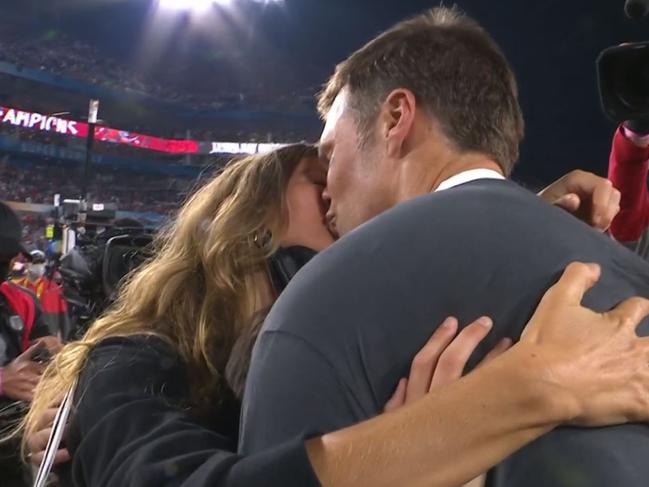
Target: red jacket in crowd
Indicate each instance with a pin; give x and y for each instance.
(50, 296)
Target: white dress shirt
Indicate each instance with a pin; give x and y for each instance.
(468, 176)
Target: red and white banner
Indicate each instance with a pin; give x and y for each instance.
(171, 146)
(49, 123)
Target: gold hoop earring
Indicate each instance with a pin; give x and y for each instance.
(262, 241)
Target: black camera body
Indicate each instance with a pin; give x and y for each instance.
(93, 270)
(623, 74)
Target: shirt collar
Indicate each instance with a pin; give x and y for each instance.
(467, 177)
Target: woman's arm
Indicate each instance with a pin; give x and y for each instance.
(128, 429)
(572, 365)
(447, 438)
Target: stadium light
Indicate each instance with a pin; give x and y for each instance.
(190, 4)
(202, 4)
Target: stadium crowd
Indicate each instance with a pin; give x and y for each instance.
(38, 182)
(56, 53)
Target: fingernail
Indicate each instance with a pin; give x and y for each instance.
(594, 268)
(448, 323)
(485, 321)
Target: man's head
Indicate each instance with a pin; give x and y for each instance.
(431, 91)
(36, 266)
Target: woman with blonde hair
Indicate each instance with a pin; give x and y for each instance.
(156, 378)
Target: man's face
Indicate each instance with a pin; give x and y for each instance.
(359, 178)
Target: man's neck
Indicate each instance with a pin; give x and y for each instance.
(461, 164)
(424, 174)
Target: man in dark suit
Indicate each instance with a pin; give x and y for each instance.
(422, 126)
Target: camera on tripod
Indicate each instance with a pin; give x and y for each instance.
(623, 74)
(96, 260)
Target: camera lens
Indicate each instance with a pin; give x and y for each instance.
(633, 81)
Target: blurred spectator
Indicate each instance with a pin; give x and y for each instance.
(25, 344)
(48, 289)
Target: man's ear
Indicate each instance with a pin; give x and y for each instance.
(397, 118)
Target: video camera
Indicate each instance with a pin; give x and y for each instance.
(623, 74)
(103, 251)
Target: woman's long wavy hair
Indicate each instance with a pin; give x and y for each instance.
(202, 288)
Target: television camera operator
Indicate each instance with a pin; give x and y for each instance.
(26, 344)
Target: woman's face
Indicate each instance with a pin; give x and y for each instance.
(306, 208)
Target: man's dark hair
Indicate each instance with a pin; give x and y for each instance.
(457, 73)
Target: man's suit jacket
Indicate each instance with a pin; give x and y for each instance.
(347, 327)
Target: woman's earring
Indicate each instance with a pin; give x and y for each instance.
(262, 241)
